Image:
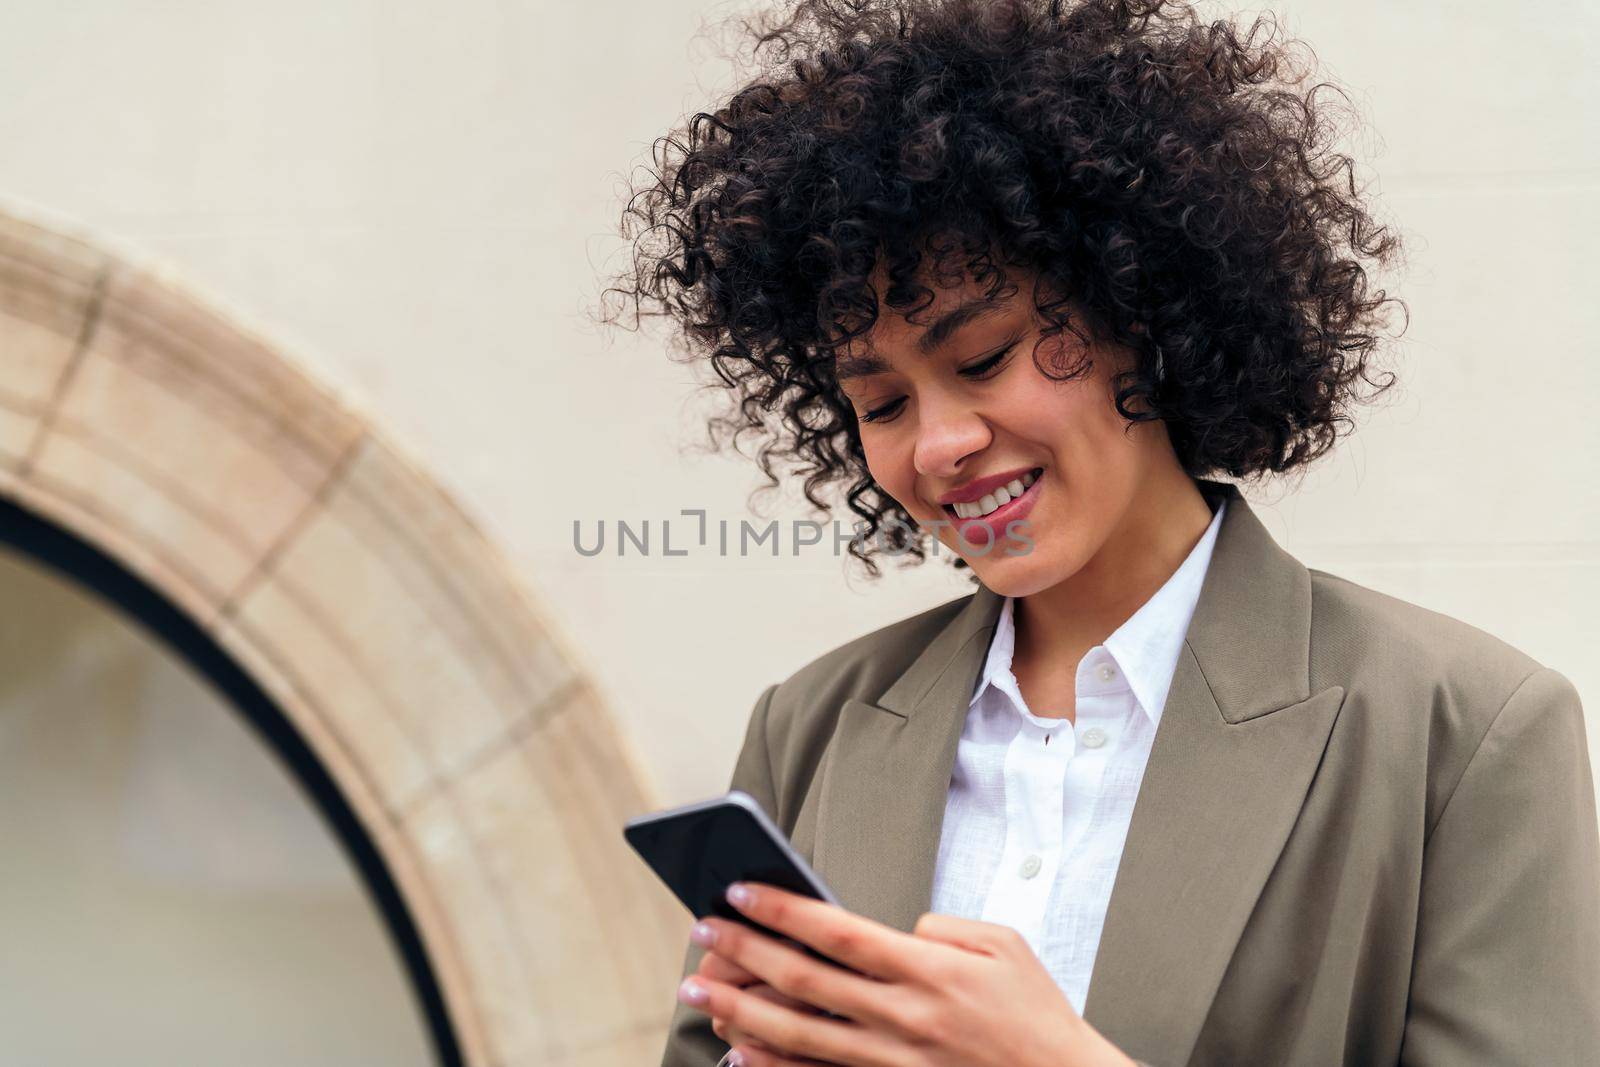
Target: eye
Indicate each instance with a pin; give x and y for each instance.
(879, 414)
(984, 368)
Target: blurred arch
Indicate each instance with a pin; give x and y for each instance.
(378, 620)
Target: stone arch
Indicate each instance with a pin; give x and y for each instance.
(387, 628)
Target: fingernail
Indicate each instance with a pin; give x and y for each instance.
(735, 1059)
(739, 896)
(691, 992)
(703, 934)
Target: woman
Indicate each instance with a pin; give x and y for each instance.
(1020, 277)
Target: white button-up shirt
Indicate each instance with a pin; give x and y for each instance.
(1038, 808)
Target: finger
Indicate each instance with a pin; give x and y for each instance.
(732, 1036)
(852, 940)
(991, 939)
(821, 987)
(720, 968)
(802, 977)
(767, 993)
(792, 1033)
(761, 1057)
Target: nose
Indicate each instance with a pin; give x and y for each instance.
(948, 431)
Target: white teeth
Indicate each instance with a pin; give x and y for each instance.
(997, 499)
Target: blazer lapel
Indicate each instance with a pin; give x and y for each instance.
(1240, 737)
(880, 808)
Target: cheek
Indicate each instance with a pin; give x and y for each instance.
(878, 464)
(889, 461)
(1061, 416)
(1040, 411)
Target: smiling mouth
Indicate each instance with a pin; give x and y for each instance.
(997, 503)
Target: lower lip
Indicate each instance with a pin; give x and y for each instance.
(972, 531)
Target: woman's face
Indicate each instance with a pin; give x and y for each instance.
(955, 417)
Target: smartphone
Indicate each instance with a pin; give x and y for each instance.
(700, 849)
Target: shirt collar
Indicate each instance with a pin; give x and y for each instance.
(1146, 647)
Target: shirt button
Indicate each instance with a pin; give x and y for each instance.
(1107, 672)
(1030, 867)
(1093, 737)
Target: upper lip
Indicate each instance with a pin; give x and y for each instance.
(978, 488)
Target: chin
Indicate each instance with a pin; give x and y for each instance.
(1013, 576)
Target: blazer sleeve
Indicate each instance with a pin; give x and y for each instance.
(690, 1039)
(1506, 968)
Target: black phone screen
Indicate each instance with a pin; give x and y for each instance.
(700, 849)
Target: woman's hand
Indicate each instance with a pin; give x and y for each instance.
(955, 993)
(721, 969)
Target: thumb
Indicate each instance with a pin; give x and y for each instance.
(990, 939)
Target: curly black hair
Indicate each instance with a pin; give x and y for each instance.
(1171, 178)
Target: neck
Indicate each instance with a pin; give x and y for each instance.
(1155, 536)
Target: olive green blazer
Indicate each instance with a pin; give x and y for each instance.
(1366, 833)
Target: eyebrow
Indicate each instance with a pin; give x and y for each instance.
(935, 336)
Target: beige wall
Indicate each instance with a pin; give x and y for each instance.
(417, 199)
